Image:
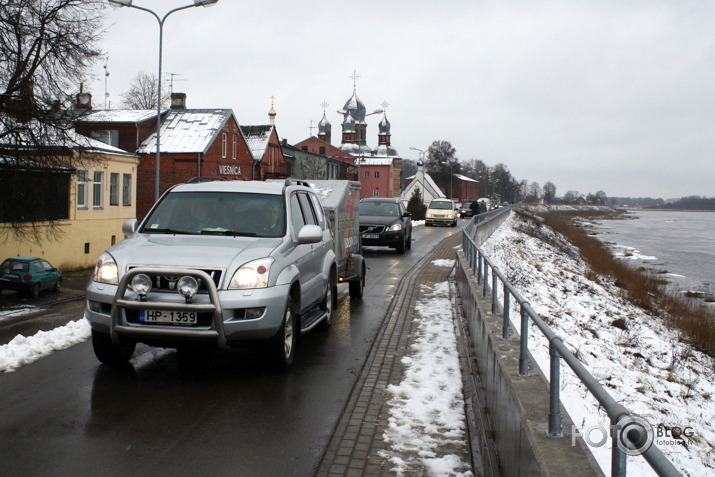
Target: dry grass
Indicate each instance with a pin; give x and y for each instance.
(694, 321)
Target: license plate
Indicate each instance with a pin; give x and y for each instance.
(370, 236)
(12, 275)
(170, 317)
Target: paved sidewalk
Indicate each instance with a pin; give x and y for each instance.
(355, 446)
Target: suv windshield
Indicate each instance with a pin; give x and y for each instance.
(218, 213)
(440, 205)
(380, 209)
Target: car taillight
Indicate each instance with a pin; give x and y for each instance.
(27, 277)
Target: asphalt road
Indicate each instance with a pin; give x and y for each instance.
(69, 415)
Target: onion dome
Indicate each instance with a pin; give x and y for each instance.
(355, 108)
(384, 126)
(349, 124)
(323, 125)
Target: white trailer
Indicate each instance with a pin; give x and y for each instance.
(341, 201)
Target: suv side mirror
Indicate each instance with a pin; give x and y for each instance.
(310, 234)
(129, 227)
(407, 214)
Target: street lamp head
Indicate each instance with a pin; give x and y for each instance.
(205, 3)
(121, 3)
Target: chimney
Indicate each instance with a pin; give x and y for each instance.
(178, 100)
(83, 101)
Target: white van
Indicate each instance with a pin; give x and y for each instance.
(442, 212)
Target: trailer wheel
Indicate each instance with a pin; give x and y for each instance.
(356, 287)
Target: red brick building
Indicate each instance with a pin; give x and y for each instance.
(265, 147)
(320, 147)
(377, 176)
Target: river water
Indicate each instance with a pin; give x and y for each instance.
(681, 245)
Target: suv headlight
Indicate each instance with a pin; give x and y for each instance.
(251, 275)
(105, 271)
(395, 228)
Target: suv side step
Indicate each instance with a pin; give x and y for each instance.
(312, 317)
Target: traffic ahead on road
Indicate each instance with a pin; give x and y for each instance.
(68, 414)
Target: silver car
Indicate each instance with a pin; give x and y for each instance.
(214, 264)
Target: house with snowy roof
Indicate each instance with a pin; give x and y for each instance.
(466, 189)
(426, 186)
(194, 142)
(265, 147)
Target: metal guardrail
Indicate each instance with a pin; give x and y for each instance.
(629, 433)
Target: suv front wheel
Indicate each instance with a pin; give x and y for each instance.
(109, 353)
(281, 348)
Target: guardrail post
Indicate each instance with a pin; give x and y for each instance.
(555, 425)
(618, 457)
(524, 343)
(480, 261)
(506, 328)
(494, 290)
(485, 282)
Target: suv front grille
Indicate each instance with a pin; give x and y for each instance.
(372, 229)
(167, 283)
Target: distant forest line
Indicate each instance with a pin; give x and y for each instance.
(684, 203)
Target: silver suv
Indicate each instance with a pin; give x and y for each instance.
(217, 263)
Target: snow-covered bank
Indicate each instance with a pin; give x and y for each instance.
(638, 359)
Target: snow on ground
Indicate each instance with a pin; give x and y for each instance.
(635, 356)
(25, 350)
(6, 315)
(426, 432)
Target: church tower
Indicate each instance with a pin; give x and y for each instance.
(324, 127)
(354, 140)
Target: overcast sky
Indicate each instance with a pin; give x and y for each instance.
(591, 95)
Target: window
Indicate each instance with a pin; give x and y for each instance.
(98, 190)
(322, 150)
(223, 145)
(296, 215)
(376, 193)
(126, 189)
(235, 146)
(110, 137)
(367, 174)
(82, 189)
(377, 174)
(114, 188)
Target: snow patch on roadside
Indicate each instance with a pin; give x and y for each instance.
(25, 350)
(426, 427)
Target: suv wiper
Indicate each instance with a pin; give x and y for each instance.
(166, 231)
(227, 232)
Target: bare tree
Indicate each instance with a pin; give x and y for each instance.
(441, 162)
(143, 93)
(572, 196)
(46, 49)
(549, 190)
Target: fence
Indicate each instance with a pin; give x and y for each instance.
(630, 434)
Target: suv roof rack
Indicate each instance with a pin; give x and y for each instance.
(196, 180)
(299, 182)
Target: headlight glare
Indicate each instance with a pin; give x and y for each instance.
(252, 275)
(105, 270)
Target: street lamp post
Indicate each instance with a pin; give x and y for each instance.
(421, 163)
(128, 3)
